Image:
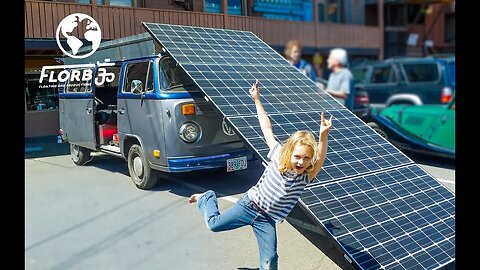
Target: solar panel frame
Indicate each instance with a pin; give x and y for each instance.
(372, 230)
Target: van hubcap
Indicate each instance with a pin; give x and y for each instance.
(138, 166)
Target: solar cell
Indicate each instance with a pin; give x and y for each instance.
(383, 210)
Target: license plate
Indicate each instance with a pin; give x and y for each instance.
(236, 164)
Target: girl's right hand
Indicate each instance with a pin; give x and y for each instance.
(254, 93)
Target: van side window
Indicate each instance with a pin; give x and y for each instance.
(107, 92)
(422, 72)
(383, 74)
(79, 87)
(135, 71)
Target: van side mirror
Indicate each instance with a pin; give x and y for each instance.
(136, 87)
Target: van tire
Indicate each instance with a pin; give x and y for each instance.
(142, 175)
(79, 155)
(378, 129)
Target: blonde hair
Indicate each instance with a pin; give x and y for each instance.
(289, 47)
(301, 137)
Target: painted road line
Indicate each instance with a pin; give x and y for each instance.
(293, 221)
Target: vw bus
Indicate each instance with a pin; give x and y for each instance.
(151, 114)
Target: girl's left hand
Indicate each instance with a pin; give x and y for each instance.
(325, 125)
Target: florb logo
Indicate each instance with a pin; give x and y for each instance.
(87, 29)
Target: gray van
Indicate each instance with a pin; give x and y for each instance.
(151, 114)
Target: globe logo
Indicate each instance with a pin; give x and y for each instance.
(88, 30)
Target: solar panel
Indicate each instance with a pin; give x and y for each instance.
(382, 209)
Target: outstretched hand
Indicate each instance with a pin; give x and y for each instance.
(325, 125)
(254, 93)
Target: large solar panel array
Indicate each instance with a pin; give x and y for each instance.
(383, 210)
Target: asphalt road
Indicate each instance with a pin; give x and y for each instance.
(93, 217)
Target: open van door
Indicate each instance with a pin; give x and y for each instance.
(77, 119)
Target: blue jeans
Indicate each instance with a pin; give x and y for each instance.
(241, 214)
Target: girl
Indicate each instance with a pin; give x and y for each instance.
(292, 166)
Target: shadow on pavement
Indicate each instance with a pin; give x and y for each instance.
(47, 146)
(446, 163)
(218, 180)
(322, 242)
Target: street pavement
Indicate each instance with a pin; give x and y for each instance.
(93, 217)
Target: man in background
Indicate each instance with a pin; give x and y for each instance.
(340, 79)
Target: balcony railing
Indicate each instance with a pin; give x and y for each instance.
(42, 18)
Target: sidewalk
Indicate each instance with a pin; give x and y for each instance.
(44, 147)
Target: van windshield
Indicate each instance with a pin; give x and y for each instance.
(172, 76)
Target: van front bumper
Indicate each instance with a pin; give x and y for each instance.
(207, 162)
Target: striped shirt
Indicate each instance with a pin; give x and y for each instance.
(277, 193)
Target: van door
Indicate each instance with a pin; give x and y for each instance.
(139, 112)
(77, 114)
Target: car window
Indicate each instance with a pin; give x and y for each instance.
(382, 74)
(359, 75)
(135, 71)
(422, 72)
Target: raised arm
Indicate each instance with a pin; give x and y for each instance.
(265, 124)
(322, 145)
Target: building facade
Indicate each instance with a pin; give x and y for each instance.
(319, 25)
(415, 27)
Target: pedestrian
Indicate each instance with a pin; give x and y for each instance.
(293, 54)
(340, 79)
(318, 64)
(292, 166)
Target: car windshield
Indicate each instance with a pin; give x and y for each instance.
(172, 76)
(452, 71)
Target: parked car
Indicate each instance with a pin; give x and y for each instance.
(428, 129)
(361, 107)
(408, 80)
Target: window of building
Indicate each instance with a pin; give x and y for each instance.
(122, 3)
(38, 98)
(449, 34)
(321, 12)
(396, 15)
(235, 7)
(421, 72)
(334, 11)
(413, 11)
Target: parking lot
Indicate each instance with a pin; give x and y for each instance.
(93, 217)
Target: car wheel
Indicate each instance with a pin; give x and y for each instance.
(142, 175)
(379, 130)
(80, 155)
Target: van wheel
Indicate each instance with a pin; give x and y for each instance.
(140, 172)
(377, 128)
(80, 155)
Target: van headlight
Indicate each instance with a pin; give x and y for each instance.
(190, 132)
